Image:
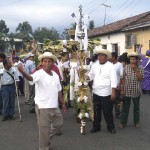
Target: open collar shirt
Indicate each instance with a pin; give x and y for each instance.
(104, 78)
(132, 85)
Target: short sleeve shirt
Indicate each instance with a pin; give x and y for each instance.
(46, 89)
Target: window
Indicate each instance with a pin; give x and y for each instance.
(129, 41)
(104, 46)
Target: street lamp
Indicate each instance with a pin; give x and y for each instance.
(105, 11)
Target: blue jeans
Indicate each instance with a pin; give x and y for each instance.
(8, 94)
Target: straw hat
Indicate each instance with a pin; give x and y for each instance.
(98, 50)
(134, 54)
(47, 55)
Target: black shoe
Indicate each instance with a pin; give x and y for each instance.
(5, 118)
(94, 130)
(112, 131)
(11, 117)
(32, 111)
(59, 133)
(27, 103)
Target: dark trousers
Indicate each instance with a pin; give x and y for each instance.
(104, 104)
(21, 85)
(8, 94)
(126, 107)
(1, 102)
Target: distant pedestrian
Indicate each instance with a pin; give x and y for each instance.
(29, 89)
(47, 94)
(131, 89)
(21, 79)
(119, 71)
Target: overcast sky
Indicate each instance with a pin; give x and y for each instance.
(57, 13)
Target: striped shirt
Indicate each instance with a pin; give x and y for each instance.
(132, 85)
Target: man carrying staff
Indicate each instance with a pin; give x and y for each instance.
(47, 94)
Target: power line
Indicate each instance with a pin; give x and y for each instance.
(132, 7)
(87, 9)
(120, 12)
(11, 3)
(119, 8)
(97, 7)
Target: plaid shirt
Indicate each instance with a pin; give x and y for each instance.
(132, 87)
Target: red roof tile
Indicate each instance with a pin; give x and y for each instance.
(116, 26)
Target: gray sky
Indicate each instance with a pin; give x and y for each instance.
(57, 13)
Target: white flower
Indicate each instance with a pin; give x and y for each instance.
(85, 99)
(85, 83)
(79, 83)
(80, 115)
(78, 100)
(86, 115)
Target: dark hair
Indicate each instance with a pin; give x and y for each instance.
(94, 57)
(114, 54)
(17, 58)
(5, 62)
(124, 58)
(2, 55)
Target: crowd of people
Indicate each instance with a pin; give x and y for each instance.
(114, 82)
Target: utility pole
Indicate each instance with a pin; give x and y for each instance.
(105, 11)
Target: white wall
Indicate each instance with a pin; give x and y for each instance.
(118, 38)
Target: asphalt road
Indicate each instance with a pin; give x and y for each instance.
(15, 135)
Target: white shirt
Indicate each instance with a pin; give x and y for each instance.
(46, 89)
(119, 71)
(6, 79)
(104, 78)
(15, 66)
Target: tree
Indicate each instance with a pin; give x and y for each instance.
(24, 31)
(3, 27)
(91, 25)
(40, 34)
(65, 34)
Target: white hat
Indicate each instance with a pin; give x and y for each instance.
(47, 55)
(134, 54)
(98, 50)
(29, 55)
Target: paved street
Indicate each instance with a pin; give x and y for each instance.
(15, 135)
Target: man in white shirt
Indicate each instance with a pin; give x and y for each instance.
(47, 94)
(104, 84)
(119, 72)
(21, 79)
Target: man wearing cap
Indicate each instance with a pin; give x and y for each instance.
(47, 94)
(131, 89)
(104, 84)
(29, 89)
